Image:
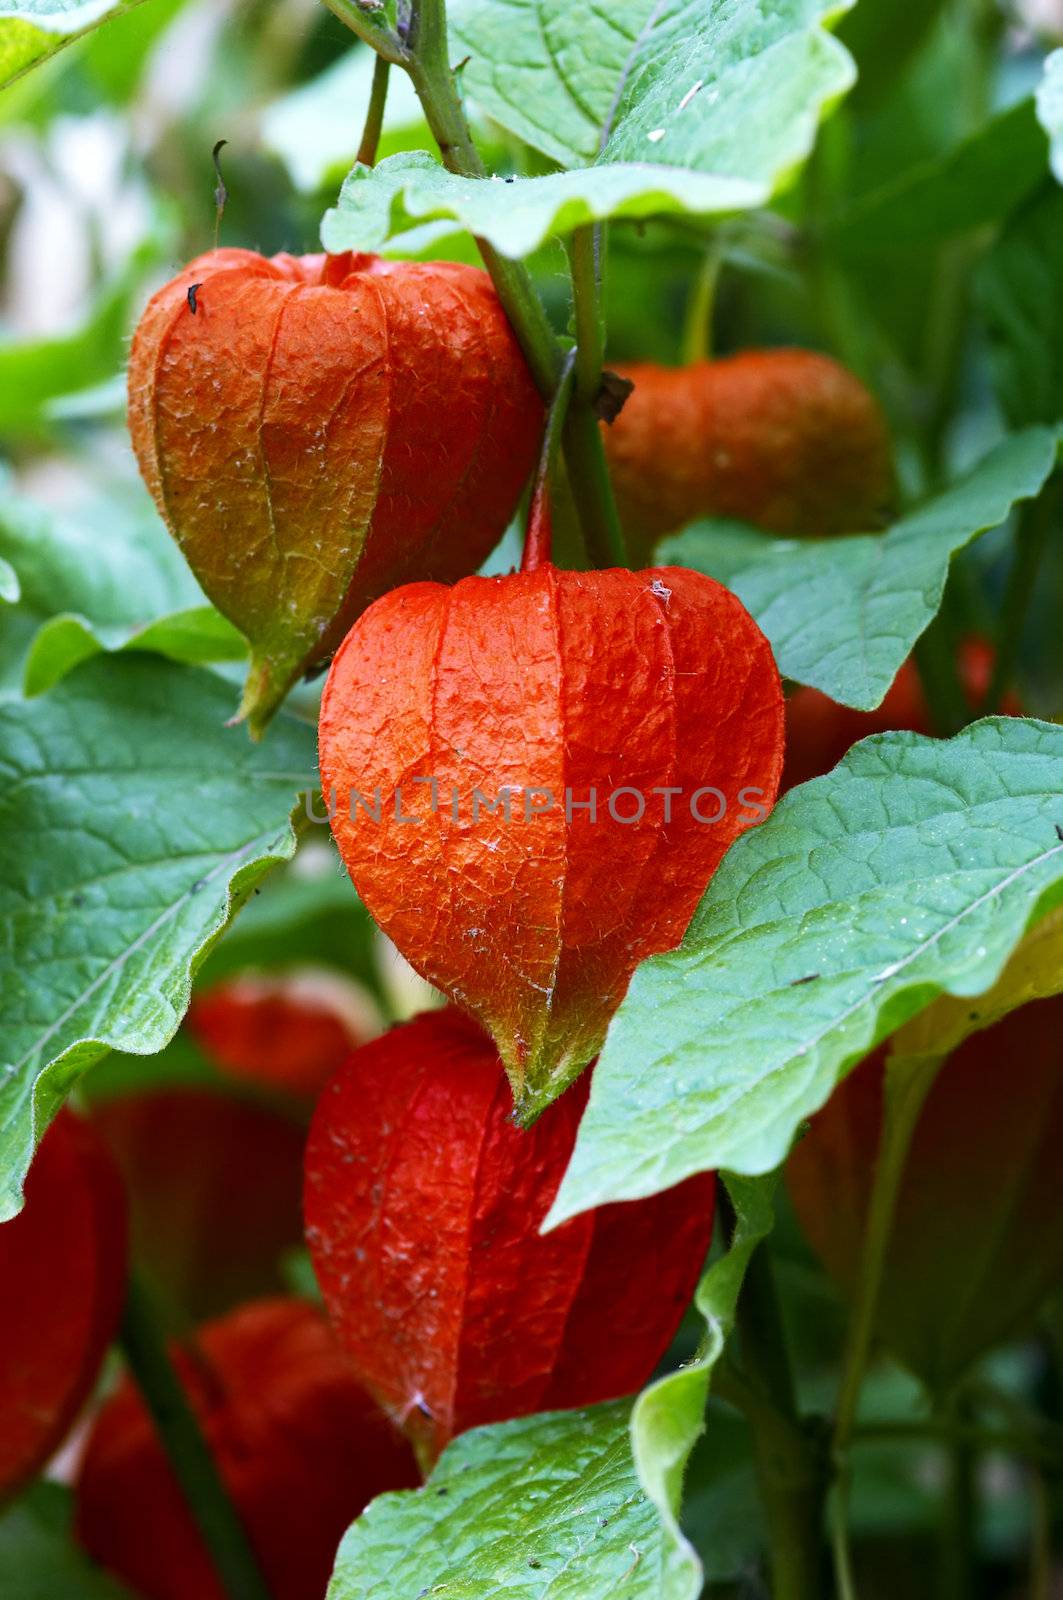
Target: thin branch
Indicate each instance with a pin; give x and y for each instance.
(366, 19)
(374, 117)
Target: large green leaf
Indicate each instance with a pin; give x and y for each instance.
(517, 215)
(677, 106)
(913, 869)
(561, 74)
(843, 614)
(132, 824)
(669, 1416)
(544, 1508)
(1018, 296)
(105, 575)
(978, 182)
(197, 635)
(33, 30)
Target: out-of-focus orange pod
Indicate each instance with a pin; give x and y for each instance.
(977, 1242)
(63, 1274)
(299, 1445)
(785, 439)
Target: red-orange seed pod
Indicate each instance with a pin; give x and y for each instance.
(625, 727)
(423, 1208)
(317, 429)
(299, 1445)
(976, 1246)
(785, 439)
(63, 1271)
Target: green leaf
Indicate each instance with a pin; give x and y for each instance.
(35, 372)
(1034, 972)
(913, 869)
(721, 548)
(1050, 109)
(669, 1416)
(559, 74)
(978, 182)
(544, 1508)
(133, 825)
(843, 614)
(1017, 288)
(197, 635)
(33, 30)
(517, 215)
(108, 561)
(709, 109)
(39, 1559)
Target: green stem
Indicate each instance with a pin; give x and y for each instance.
(957, 1557)
(424, 55)
(935, 662)
(907, 1086)
(1040, 1538)
(591, 487)
(765, 1349)
(193, 1465)
(538, 538)
(374, 117)
(370, 27)
(584, 256)
(1031, 540)
(697, 324)
(791, 1475)
(791, 1464)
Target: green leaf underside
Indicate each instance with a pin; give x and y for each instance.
(843, 614)
(669, 1416)
(133, 822)
(912, 870)
(33, 30)
(516, 215)
(709, 110)
(196, 635)
(546, 1506)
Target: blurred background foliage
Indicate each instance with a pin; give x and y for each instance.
(924, 226)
